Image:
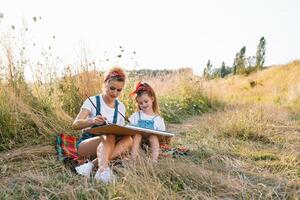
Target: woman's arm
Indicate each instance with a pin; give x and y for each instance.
(82, 121)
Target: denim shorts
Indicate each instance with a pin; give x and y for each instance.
(83, 137)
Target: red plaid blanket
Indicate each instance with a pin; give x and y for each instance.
(66, 149)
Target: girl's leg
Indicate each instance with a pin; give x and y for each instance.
(154, 145)
(104, 151)
(121, 146)
(136, 145)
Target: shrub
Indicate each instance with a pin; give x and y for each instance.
(177, 107)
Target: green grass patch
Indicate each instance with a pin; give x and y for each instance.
(174, 109)
(243, 133)
(295, 117)
(263, 156)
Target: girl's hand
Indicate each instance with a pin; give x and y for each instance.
(99, 120)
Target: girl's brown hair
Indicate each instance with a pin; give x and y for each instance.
(145, 88)
(115, 73)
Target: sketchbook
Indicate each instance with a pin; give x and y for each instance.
(126, 130)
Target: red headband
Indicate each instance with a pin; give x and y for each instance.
(114, 74)
(140, 87)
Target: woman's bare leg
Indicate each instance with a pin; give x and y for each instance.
(154, 145)
(88, 147)
(104, 151)
(122, 146)
(136, 145)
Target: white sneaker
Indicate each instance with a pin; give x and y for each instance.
(106, 176)
(85, 169)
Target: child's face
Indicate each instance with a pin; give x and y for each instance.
(145, 102)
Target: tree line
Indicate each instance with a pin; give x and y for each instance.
(241, 64)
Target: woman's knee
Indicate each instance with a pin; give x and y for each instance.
(109, 139)
(88, 147)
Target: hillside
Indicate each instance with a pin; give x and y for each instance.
(278, 85)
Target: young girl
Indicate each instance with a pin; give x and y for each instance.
(147, 116)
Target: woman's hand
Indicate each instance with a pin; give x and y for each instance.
(82, 120)
(99, 120)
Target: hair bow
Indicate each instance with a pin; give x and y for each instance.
(138, 87)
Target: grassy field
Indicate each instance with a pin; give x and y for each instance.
(240, 152)
(278, 85)
(244, 144)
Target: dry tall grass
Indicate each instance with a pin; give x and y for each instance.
(220, 165)
(278, 85)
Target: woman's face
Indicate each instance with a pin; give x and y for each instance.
(113, 89)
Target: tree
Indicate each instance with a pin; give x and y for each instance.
(223, 70)
(235, 63)
(260, 54)
(239, 61)
(207, 70)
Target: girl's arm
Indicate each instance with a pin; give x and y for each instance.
(161, 124)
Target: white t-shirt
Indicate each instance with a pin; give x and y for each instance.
(106, 111)
(159, 123)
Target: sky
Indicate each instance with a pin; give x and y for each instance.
(158, 34)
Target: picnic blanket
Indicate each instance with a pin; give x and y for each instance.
(66, 149)
(167, 151)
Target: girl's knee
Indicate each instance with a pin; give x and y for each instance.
(153, 138)
(137, 137)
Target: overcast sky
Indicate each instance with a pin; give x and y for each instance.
(163, 33)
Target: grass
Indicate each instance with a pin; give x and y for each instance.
(246, 148)
(217, 168)
(278, 85)
(27, 120)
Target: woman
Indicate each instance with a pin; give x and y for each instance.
(104, 147)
